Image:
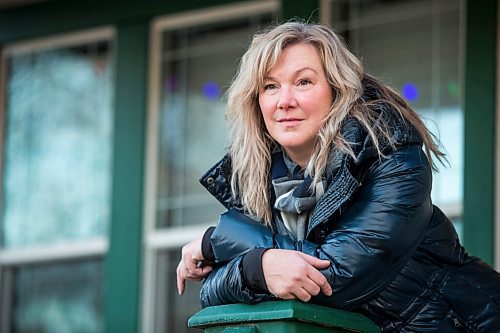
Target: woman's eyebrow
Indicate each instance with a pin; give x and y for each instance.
(305, 69)
(297, 72)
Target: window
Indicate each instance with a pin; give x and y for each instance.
(56, 165)
(417, 48)
(194, 58)
(55, 297)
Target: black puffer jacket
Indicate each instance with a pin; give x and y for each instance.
(394, 256)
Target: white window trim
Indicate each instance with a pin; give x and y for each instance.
(403, 14)
(54, 252)
(10, 257)
(214, 14)
(173, 237)
(325, 10)
(58, 41)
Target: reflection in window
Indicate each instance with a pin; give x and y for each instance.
(415, 47)
(57, 145)
(58, 298)
(172, 310)
(198, 65)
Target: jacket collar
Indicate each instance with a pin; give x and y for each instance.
(349, 174)
(346, 175)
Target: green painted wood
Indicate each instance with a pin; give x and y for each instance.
(237, 329)
(306, 10)
(123, 261)
(479, 119)
(279, 326)
(58, 16)
(285, 312)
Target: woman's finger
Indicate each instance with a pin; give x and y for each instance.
(205, 270)
(316, 262)
(193, 272)
(304, 278)
(188, 268)
(190, 264)
(319, 280)
(315, 275)
(180, 280)
(302, 294)
(311, 287)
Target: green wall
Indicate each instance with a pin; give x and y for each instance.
(123, 261)
(67, 15)
(479, 119)
(307, 10)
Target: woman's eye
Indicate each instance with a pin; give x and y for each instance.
(304, 82)
(270, 86)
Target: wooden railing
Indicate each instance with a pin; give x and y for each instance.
(279, 317)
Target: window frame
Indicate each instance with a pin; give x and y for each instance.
(160, 239)
(453, 210)
(60, 251)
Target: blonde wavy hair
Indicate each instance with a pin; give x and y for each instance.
(251, 145)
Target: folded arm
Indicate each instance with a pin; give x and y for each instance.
(370, 242)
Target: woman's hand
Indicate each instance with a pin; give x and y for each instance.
(294, 275)
(189, 268)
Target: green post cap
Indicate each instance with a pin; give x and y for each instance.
(243, 314)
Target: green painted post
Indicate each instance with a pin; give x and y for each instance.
(479, 120)
(123, 261)
(279, 317)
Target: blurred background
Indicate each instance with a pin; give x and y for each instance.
(110, 111)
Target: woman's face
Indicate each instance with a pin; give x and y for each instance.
(295, 100)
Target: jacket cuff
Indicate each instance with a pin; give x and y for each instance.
(206, 246)
(253, 274)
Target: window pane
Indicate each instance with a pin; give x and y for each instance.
(415, 47)
(64, 297)
(171, 310)
(58, 145)
(198, 65)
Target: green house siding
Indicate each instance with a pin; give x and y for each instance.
(479, 150)
(307, 10)
(123, 261)
(56, 16)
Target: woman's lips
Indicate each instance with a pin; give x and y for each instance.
(289, 121)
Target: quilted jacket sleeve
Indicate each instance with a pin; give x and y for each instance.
(225, 285)
(368, 245)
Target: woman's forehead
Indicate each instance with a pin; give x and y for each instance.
(294, 58)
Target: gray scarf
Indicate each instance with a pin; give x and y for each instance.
(295, 199)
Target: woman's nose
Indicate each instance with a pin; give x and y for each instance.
(286, 99)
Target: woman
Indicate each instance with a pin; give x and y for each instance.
(327, 187)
